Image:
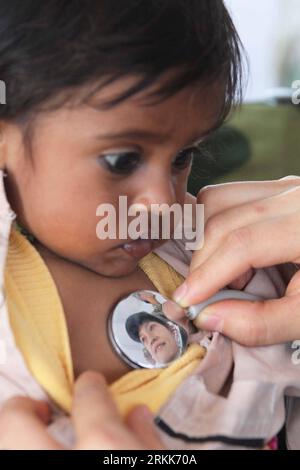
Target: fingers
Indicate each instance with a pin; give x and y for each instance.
(250, 225)
(264, 244)
(97, 422)
(241, 282)
(254, 323)
(95, 416)
(177, 314)
(294, 285)
(98, 425)
(173, 311)
(141, 422)
(23, 425)
(225, 196)
(219, 227)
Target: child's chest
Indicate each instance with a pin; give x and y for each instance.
(87, 300)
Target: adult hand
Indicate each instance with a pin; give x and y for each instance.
(97, 423)
(247, 226)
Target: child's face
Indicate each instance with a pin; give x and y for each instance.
(72, 169)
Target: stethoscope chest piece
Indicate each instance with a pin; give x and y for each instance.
(142, 335)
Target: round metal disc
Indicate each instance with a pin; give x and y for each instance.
(142, 335)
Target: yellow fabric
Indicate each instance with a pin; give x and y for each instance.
(153, 387)
(37, 319)
(162, 275)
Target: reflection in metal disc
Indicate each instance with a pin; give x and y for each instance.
(142, 335)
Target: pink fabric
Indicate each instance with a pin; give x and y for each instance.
(273, 444)
(258, 379)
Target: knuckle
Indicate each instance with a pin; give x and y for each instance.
(251, 337)
(206, 195)
(259, 208)
(239, 238)
(215, 227)
(255, 329)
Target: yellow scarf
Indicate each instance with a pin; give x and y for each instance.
(38, 323)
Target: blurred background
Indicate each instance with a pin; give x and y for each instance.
(262, 139)
(270, 32)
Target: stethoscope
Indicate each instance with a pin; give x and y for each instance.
(143, 336)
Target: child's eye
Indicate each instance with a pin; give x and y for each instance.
(122, 163)
(184, 158)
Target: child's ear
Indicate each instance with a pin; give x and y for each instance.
(8, 143)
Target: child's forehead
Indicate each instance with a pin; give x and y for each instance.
(186, 116)
(194, 97)
(195, 109)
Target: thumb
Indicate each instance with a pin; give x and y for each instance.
(23, 425)
(294, 285)
(141, 422)
(254, 323)
(173, 311)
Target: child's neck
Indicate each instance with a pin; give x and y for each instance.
(88, 298)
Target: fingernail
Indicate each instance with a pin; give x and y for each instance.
(89, 382)
(208, 320)
(173, 311)
(180, 293)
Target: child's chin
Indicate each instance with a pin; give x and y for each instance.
(115, 269)
(122, 271)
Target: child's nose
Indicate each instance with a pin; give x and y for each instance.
(156, 193)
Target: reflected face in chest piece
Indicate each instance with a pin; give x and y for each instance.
(142, 335)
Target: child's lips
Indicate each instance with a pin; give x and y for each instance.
(138, 248)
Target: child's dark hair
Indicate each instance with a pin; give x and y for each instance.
(55, 46)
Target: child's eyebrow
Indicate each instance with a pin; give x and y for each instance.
(150, 136)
